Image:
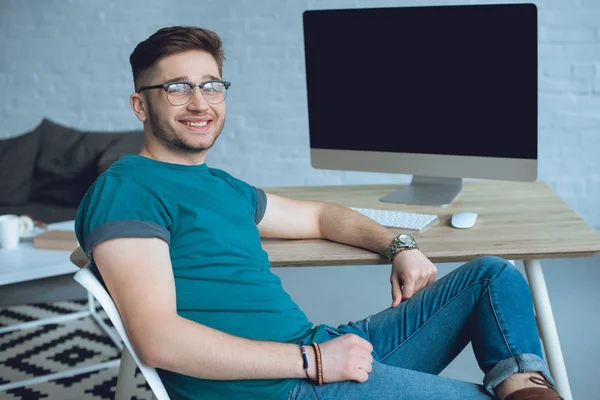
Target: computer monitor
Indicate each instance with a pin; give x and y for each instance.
(439, 92)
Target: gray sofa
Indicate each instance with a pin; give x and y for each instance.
(45, 173)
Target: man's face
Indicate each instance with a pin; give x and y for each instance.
(171, 124)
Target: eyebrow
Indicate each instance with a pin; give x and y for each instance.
(186, 78)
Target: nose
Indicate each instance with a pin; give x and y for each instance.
(197, 101)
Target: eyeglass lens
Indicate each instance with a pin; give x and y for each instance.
(179, 94)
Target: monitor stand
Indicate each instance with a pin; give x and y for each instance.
(426, 191)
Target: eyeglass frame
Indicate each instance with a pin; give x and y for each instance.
(201, 85)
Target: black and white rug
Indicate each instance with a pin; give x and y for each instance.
(54, 348)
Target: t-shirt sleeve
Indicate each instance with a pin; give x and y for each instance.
(261, 205)
(116, 207)
(255, 196)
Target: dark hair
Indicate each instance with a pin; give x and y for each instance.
(176, 39)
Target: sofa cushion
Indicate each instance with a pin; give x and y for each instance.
(125, 143)
(17, 158)
(67, 163)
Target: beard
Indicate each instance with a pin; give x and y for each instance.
(168, 136)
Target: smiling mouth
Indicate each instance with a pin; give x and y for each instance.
(196, 124)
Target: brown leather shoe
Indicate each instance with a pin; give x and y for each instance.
(536, 393)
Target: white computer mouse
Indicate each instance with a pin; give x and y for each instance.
(463, 220)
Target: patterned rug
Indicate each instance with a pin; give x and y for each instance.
(54, 348)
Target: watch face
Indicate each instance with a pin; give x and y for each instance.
(406, 240)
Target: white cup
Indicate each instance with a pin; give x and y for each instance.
(24, 224)
(10, 231)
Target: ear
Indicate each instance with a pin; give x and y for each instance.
(138, 104)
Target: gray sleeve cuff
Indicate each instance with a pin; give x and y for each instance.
(261, 205)
(123, 229)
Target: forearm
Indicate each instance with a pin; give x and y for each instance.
(193, 349)
(343, 225)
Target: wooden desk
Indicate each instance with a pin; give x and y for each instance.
(517, 220)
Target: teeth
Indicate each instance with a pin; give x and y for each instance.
(197, 124)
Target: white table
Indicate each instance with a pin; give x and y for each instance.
(27, 263)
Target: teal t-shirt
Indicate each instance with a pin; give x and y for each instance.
(222, 275)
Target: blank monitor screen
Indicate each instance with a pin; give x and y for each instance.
(448, 80)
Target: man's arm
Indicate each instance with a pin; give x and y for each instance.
(288, 218)
(139, 277)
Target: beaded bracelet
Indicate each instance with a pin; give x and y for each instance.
(319, 364)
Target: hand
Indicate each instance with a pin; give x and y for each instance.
(411, 272)
(347, 357)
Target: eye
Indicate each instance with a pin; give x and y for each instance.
(213, 87)
(178, 88)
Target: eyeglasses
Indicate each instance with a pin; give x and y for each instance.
(180, 93)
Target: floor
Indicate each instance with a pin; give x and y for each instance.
(56, 348)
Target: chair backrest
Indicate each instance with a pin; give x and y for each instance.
(86, 278)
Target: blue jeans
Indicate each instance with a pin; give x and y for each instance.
(486, 302)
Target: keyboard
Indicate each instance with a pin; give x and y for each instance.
(398, 219)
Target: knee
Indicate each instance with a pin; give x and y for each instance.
(490, 267)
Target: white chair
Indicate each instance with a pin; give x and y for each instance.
(129, 359)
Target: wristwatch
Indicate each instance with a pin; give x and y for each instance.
(400, 243)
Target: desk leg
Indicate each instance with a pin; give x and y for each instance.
(547, 326)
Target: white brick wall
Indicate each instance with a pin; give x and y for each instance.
(68, 60)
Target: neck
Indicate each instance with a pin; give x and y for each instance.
(158, 152)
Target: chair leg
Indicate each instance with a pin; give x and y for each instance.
(126, 381)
